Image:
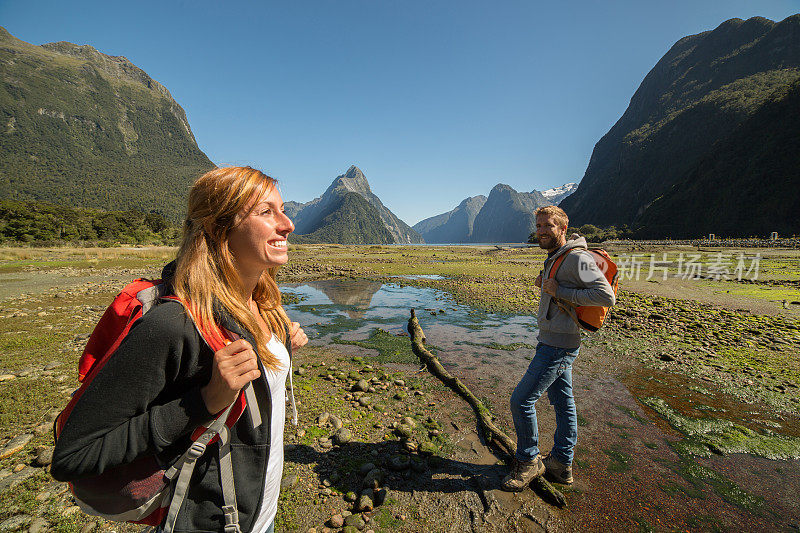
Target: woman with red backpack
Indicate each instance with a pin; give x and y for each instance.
(168, 376)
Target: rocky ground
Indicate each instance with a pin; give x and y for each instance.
(688, 405)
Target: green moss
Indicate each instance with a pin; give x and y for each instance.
(698, 476)
(723, 436)
(633, 414)
(620, 461)
(390, 348)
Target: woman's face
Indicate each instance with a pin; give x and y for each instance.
(258, 241)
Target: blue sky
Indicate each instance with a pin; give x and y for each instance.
(434, 100)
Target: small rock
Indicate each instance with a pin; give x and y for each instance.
(88, 528)
(15, 522)
(301, 433)
(364, 503)
(18, 468)
(399, 382)
(400, 395)
(366, 467)
(350, 496)
(373, 479)
(404, 431)
(361, 386)
(407, 420)
(52, 364)
(355, 521)
(350, 529)
(43, 429)
(323, 419)
(427, 448)
(289, 481)
(336, 422)
(399, 463)
(300, 371)
(342, 436)
(15, 445)
(336, 521)
(39, 525)
(44, 455)
(70, 510)
(15, 479)
(7, 377)
(666, 357)
(364, 401)
(380, 496)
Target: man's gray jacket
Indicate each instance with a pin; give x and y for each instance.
(579, 282)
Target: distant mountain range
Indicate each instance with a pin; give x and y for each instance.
(85, 129)
(505, 216)
(709, 142)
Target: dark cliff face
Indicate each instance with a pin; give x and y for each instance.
(311, 217)
(747, 185)
(82, 128)
(507, 215)
(703, 89)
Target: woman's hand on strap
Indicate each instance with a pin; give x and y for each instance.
(297, 336)
(235, 366)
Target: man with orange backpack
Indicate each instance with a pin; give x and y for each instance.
(577, 286)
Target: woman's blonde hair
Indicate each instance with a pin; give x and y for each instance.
(206, 274)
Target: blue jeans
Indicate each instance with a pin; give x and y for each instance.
(551, 371)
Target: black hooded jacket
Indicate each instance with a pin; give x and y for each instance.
(146, 401)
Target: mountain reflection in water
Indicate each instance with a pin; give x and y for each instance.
(350, 310)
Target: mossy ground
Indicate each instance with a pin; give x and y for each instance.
(751, 355)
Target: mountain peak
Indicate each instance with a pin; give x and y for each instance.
(353, 180)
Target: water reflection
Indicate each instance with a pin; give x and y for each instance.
(350, 310)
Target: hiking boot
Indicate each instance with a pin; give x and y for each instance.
(557, 471)
(522, 474)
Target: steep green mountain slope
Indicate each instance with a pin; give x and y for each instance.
(507, 215)
(702, 90)
(348, 219)
(81, 128)
(748, 184)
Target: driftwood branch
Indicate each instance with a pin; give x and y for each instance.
(493, 434)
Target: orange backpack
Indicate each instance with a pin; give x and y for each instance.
(589, 317)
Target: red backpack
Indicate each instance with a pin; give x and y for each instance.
(589, 317)
(141, 491)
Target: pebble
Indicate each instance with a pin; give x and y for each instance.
(336, 521)
(301, 433)
(15, 479)
(70, 510)
(373, 479)
(88, 528)
(336, 422)
(39, 525)
(399, 463)
(366, 468)
(323, 418)
(355, 521)
(289, 481)
(19, 467)
(44, 455)
(361, 386)
(52, 364)
(350, 496)
(342, 436)
(15, 522)
(7, 377)
(365, 503)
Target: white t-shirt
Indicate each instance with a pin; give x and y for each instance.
(272, 482)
